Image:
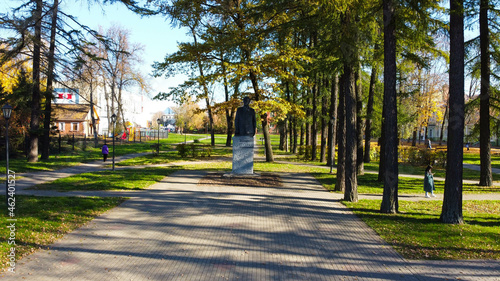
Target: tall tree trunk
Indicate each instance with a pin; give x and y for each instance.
(35, 99)
(94, 125)
(324, 122)
(486, 178)
(50, 78)
(351, 144)
(452, 202)
(340, 184)
(211, 120)
(359, 122)
(390, 196)
(369, 115)
(445, 117)
(206, 93)
(291, 124)
(302, 133)
(229, 113)
(263, 117)
(288, 128)
(283, 133)
(308, 123)
(333, 121)
(109, 110)
(119, 104)
(314, 128)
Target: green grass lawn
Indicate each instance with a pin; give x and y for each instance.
(150, 159)
(42, 220)
(472, 157)
(219, 150)
(417, 233)
(368, 184)
(72, 158)
(121, 179)
(437, 171)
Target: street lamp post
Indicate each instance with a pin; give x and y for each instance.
(332, 145)
(158, 148)
(185, 137)
(113, 120)
(7, 111)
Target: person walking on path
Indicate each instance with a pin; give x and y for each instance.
(429, 182)
(105, 152)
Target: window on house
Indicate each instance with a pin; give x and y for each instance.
(74, 126)
(61, 126)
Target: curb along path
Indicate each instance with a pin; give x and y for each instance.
(179, 230)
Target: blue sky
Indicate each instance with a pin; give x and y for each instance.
(154, 33)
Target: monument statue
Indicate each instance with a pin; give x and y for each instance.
(244, 122)
(244, 139)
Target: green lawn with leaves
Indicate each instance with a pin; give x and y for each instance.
(417, 233)
(473, 158)
(369, 184)
(120, 179)
(42, 220)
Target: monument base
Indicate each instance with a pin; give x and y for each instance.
(243, 155)
(231, 175)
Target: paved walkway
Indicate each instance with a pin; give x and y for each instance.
(37, 177)
(179, 230)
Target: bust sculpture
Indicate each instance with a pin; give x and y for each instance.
(244, 122)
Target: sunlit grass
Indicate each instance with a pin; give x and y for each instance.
(42, 220)
(369, 184)
(417, 233)
(121, 179)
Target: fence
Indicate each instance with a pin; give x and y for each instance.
(19, 145)
(138, 135)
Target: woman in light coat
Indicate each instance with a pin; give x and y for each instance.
(429, 182)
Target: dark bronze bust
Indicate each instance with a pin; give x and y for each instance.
(245, 123)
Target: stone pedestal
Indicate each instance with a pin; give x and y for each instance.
(243, 155)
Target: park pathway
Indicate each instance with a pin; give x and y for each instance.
(30, 179)
(181, 230)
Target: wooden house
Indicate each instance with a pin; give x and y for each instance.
(75, 119)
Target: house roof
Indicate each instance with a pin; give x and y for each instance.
(73, 112)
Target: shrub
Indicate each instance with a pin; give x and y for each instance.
(422, 156)
(301, 150)
(194, 150)
(375, 153)
(182, 149)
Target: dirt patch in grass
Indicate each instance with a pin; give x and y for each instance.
(258, 180)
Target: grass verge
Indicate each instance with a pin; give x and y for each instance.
(368, 184)
(417, 233)
(42, 220)
(122, 179)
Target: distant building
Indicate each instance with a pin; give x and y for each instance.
(75, 119)
(169, 118)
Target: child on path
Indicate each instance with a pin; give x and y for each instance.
(105, 152)
(429, 182)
